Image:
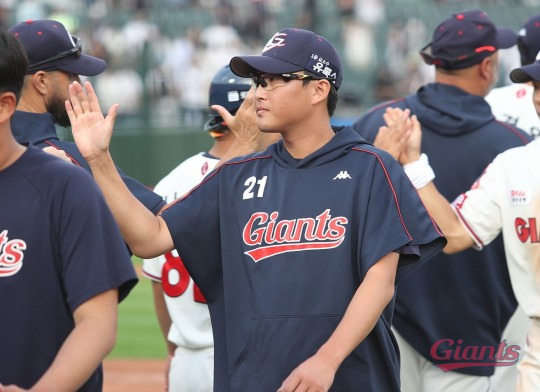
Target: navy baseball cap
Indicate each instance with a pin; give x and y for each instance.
(50, 46)
(529, 40)
(527, 73)
(466, 39)
(291, 50)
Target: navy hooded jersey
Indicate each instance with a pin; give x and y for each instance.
(59, 246)
(279, 246)
(38, 129)
(467, 295)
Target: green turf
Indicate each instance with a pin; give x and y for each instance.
(139, 335)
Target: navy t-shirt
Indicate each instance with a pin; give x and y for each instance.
(59, 246)
(279, 247)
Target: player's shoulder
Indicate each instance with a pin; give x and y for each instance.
(48, 172)
(511, 91)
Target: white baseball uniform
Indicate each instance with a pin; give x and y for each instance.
(191, 330)
(507, 198)
(513, 104)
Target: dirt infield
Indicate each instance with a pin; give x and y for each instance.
(134, 375)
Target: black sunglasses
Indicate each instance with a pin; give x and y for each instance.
(448, 62)
(75, 51)
(267, 81)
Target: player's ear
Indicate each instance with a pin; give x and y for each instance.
(8, 103)
(320, 91)
(40, 82)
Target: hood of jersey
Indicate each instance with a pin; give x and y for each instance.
(437, 108)
(338, 146)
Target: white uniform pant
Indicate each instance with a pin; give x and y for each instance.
(506, 377)
(192, 370)
(529, 367)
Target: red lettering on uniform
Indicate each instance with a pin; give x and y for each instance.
(323, 232)
(178, 288)
(526, 229)
(11, 254)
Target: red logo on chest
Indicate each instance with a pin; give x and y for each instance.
(11, 255)
(271, 237)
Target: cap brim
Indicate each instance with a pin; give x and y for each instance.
(526, 74)
(506, 37)
(83, 65)
(244, 66)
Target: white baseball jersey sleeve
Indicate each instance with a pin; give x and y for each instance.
(507, 198)
(513, 104)
(191, 326)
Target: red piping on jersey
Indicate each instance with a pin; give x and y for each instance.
(391, 187)
(166, 207)
(468, 227)
(513, 130)
(58, 148)
(150, 276)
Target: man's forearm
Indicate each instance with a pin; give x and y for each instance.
(364, 310)
(139, 226)
(441, 210)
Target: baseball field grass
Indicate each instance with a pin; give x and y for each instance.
(139, 335)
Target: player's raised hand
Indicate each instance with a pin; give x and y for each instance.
(91, 131)
(414, 143)
(394, 136)
(244, 123)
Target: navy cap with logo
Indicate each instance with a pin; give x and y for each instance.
(49, 46)
(291, 50)
(529, 40)
(466, 39)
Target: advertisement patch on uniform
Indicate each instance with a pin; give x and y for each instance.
(520, 197)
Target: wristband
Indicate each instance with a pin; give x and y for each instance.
(419, 172)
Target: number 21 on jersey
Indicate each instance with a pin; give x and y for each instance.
(255, 187)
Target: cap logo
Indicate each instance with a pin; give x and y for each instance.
(275, 41)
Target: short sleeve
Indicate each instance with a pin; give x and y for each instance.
(478, 208)
(397, 221)
(194, 224)
(94, 257)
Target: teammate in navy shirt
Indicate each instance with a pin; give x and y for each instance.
(297, 249)
(60, 279)
(55, 60)
(468, 295)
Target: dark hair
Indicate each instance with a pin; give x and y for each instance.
(13, 63)
(332, 101)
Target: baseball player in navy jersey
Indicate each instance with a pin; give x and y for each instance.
(180, 305)
(456, 121)
(513, 103)
(505, 199)
(55, 60)
(60, 280)
(296, 249)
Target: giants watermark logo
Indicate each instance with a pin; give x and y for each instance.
(11, 255)
(271, 237)
(456, 355)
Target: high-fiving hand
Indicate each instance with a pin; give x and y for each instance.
(91, 131)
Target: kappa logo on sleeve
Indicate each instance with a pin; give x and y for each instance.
(271, 237)
(11, 255)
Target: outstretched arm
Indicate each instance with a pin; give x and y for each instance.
(436, 204)
(374, 293)
(146, 234)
